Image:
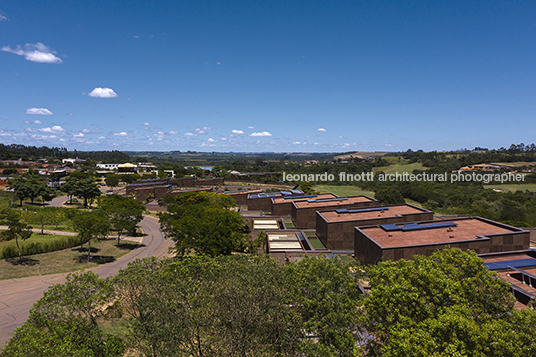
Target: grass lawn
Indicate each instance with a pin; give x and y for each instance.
(343, 191)
(316, 243)
(400, 168)
(513, 187)
(67, 260)
(35, 238)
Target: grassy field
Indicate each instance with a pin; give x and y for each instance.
(513, 187)
(400, 168)
(516, 164)
(35, 238)
(67, 260)
(343, 191)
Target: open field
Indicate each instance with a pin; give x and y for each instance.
(513, 187)
(516, 164)
(67, 260)
(35, 238)
(360, 155)
(343, 191)
(400, 168)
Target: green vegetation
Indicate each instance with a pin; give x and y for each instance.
(16, 229)
(512, 187)
(448, 304)
(344, 191)
(202, 223)
(66, 260)
(123, 213)
(399, 168)
(37, 244)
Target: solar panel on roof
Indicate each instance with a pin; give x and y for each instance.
(296, 197)
(328, 199)
(341, 210)
(390, 227)
(286, 193)
(516, 263)
(415, 226)
(368, 209)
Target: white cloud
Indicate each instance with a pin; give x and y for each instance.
(102, 137)
(79, 135)
(121, 134)
(321, 129)
(250, 127)
(36, 53)
(102, 93)
(189, 134)
(172, 132)
(87, 131)
(40, 111)
(54, 129)
(32, 122)
(3, 16)
(238, 131)
(264, 133)
(210, 140)
(146, 124)
(160, 135)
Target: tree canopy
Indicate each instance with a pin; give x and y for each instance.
(202, 222)
(124, 213)
(447, 304)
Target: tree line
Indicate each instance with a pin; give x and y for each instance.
(447, 304)
(17, 151)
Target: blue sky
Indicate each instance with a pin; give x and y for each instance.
(283, 76)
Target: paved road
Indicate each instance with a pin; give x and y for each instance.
(18, 295)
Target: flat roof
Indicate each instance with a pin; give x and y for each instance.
(329, 202)
(283, 241)
(345, 215)
(433, 232)
(265, 224)
(240, 191)
(285, 199)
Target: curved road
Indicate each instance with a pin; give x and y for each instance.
(17, 296)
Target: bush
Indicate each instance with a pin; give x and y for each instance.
(32, 248)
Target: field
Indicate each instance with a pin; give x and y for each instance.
(400, 168)
(359, 155)
(513, 187)
(343, 191)
(35, 238)
(516, 164)
(67, 260)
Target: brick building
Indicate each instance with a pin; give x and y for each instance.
(335, 228)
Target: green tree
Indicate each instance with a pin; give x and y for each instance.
(389, 196)
(90, 225)
(31, 185)
(16, 228)
(201, 306)
(69, 187)
(307, 187)
(325, 293)
(39, 216)
(64, 322)
(112, 180)
(87, 189)
(438, 305)
(124, 213)
(202, 222)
